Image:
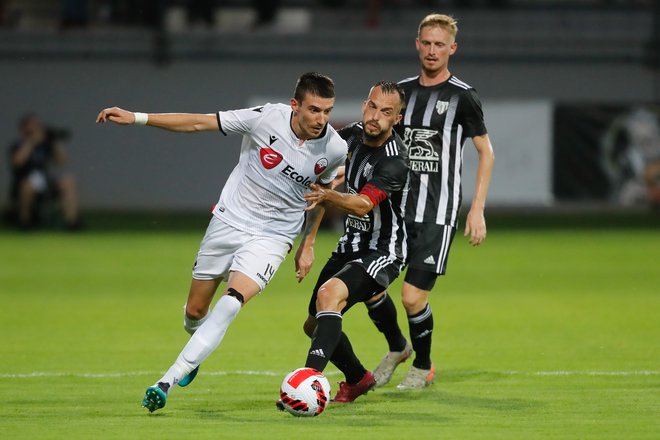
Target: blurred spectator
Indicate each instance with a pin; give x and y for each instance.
(37, 161)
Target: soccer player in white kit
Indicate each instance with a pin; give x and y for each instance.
(285, 148)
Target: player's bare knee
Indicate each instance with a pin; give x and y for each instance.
(326, 299)
(413, 303)
(196, 312)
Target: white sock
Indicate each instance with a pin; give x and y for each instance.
(204, 341)
(191, 325)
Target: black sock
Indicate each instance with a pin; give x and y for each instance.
(328, 333)
(383, 315)
(344, 358)
(421, 330)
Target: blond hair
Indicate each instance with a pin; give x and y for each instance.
(445, 21)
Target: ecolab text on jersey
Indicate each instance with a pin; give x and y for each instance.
(291, 173)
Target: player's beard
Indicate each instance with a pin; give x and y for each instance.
(373, 135)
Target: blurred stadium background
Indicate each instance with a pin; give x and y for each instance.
(571, 88)
(544, 332)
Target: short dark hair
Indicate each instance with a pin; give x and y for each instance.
(390, 87)
(316, 84)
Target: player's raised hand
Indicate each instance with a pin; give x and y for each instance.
(116, 115)
(475, 227)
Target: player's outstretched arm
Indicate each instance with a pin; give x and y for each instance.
(179, 122)
(475, 224)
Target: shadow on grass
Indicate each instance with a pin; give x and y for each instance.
(358, 414)
(444, 398)
(452, 376)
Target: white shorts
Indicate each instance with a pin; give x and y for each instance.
(226, 249)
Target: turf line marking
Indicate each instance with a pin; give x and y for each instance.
(329, 373)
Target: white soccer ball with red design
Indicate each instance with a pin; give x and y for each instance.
(305, 392)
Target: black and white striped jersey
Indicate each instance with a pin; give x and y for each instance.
(380, 173)
(436, 122)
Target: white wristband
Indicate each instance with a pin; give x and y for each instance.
(141, 118)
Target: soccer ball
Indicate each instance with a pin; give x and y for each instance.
(305, 392)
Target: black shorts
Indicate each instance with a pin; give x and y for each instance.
(428, 246)
(365, 276)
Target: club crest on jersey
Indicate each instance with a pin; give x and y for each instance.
(441, 106)
(421, 155)
(320, 166)
(270, 158)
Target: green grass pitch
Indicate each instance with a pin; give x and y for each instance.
(540, 334)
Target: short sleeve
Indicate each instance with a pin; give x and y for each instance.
(330, 172)
(239, 121)
(389, 176)
(471, 114)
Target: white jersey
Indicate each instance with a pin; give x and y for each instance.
(264, 193)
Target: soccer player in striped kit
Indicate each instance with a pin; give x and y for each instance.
(372, 251)
(441, 113)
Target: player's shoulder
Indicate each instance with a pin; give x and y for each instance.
(409, 81)
(394, 162)
(395, 149)
(458, 83)
(408, 84)
(395, 146)
(270, 108)
(350, 130)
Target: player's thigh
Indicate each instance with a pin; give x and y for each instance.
(360, 285)
(216, 251)
(334, 264)
(258, 260)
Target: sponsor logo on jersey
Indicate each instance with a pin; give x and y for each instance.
(320, 165)
(362, 224)
(441, 107)
(423, 158)
(270, 158)
(272, 139)
(292, 174)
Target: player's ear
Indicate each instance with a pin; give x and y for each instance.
(295, 105)
(452, 48)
